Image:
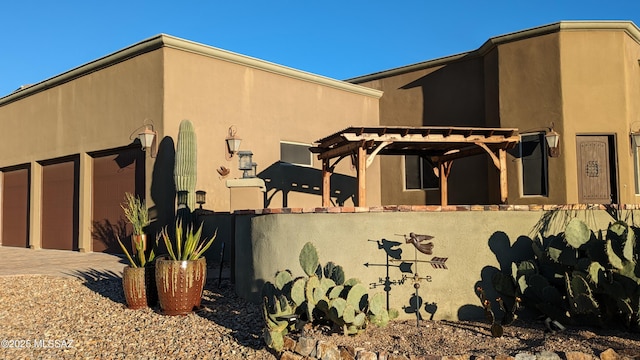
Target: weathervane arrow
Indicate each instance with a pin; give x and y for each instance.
(404, 266)
(436, 262)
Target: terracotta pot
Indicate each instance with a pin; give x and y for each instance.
(139, 285)
(180, 285)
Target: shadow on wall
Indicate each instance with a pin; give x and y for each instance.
(220, 225)
(108, 233)
(163, 188)
(285, 178)
(506, 255)
(453, 94)
(408, 276)
(460, 94)
(163, 213)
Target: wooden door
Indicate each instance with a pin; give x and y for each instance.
(594, 170)
(15, 208)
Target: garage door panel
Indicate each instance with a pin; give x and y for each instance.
(15, 208)
(113, 175)
(60, 205)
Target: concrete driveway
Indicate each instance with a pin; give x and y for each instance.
(23, 261)
(86, 266)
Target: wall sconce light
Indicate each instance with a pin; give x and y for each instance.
(233, 142)
(147, 139)
(246, 164)
(201, 196)
(245, 160)
(250, 173)
(553, 141)
(183, 196)
(635, 138)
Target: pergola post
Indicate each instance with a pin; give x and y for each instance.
(326, 183)
(362, 177)
(444, 168)
(504, 192)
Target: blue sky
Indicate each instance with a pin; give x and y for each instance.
(339, 39)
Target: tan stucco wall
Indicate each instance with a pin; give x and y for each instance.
(600, 91)
(476, 243)
(102, 105)
(531, 100)
(265, 108)
(99, 110)
(581, 77)
(449, 94)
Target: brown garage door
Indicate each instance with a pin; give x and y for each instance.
(15, 208)
(114, 173)
(60, 204)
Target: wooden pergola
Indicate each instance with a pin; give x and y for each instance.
(440, 145)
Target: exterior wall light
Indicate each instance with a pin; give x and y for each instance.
(245, 160)
(201, 196)
(246, 164)
(250, 173)
(553, 141)
(635, 138)
(233, 142)
(182, 199)
(147, 137)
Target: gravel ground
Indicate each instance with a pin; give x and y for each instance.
(48, 317)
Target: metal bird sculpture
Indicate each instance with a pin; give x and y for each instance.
(417, 240)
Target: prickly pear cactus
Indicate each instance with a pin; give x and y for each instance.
(314, 298)
(309, 259)
(276, 312)
(578, 277)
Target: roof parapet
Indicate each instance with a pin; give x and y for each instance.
(627, 26)
(163, 40)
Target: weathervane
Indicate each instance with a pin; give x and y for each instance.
(427, 249)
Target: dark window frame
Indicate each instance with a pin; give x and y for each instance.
(421, 171)
(295, 159)
(534, 165)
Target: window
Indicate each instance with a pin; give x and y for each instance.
(418, 174)
(533, 156)
(296, 153)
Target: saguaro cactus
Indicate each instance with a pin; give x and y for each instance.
(184, 171)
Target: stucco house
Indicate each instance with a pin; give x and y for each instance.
(577, 79)
(71, 150)
(70, 147)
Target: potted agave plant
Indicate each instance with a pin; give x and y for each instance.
(138, 278)
(181, 275)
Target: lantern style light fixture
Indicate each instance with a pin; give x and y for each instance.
(250, 173)
(183, 196)
(635, 138)
(245, 160)
(246, 164)
(553, 141)
(233, 142)
(201, 196)
(147, 139)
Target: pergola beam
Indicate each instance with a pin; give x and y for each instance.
(441, 145)
(431, 138)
